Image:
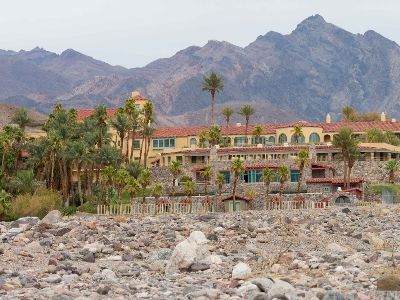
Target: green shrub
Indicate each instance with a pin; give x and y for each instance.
(69, 211)
(88, 208)
(37, 205)
(5, 205)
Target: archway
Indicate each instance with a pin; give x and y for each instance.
(327, 138)
(342, 200)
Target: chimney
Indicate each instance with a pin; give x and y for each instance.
(393, 120)
(328, 118)
(238, 124)
(383, 117)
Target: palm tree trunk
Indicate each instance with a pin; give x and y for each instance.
(3, 160)
(80, 183)
(141, 149)
(234, 191)
(299, 182)
(212, 107)
(122, 137)
(173, 188)
(133, 140)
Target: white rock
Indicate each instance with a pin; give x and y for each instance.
(212, 260)
(108, 275)
(241, 271)
(280, 287)
(52, 217)
(193, 249)
(248, 289)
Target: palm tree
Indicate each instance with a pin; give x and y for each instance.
(214, 135)
(100, 115)
(392, 166)
(297, 133)
(354, 155)
(219, 182)
(5, 204)
(134, 168)
(176, 169)
(107, 178)
(144, 181)
(132, 187)
(237, 168)
(121, 178)
(121, 124)
(203, 138)
(133, 116)
(349, 114)
(206, 173)
(347, 144)
(157, 191)
(189, 189)
(247, 111)
(227, 112)
(147, 134)
(283, 172)
(302, 162)
(266, 177)
(212, 84)
(257, 132)
(146, 130)
(21, 118)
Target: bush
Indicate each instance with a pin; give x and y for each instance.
(69, 211)
(37, 205)
(88, 208)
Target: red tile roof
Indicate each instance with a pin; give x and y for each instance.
(361, 126)
(237, 197)
(87, 112)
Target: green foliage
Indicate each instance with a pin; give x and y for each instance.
(227, 112)
(214, 135)
(157, 190)
(69, 211)
(87, 207)
(5, 204)
(37, 205)
(20, 118)
(189, 188)
(212, 84)
(380, 188)
(376, 135)
(185, 178)
(350, 114)
(134, 169)
(22, 183)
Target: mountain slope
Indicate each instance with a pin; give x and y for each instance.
(317, 68)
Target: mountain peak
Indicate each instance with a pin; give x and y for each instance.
(311, 23)
(71, 53)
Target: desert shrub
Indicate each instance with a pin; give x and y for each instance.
(87, 208)
(37, 205)
(69, 211)
(5, 204)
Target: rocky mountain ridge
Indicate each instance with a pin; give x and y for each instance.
(317, 68)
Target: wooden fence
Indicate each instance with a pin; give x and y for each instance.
(292, 204)
(155, 209)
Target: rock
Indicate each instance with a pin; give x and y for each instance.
(346, 210)
(388, 283)
(60, 231)
(248, 289)
(25, 221)
(336, 248)
(54, 279)
(109, 275)
(88, 257)
(374, 240)
(195, 267)
(332, 295)
(69, 278)
(280, 289)
(187, 252)
(53, 217)
(241, 271)
(263, 283)
(103, 290)
(260, 296)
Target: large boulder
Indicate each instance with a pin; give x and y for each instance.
(241, 271)
(190, 251)
(53, 217)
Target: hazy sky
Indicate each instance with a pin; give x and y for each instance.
(133, 33)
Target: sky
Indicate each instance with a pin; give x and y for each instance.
(133, 33)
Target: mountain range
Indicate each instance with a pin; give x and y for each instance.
(316, 69)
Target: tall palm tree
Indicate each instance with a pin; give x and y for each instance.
(247, 111)
(133, 116)
(212, 84)
(203, 138)
(121, 178)
(107, 178)
(283, 172)
(148, 131)
(348, 146)
(157, 191)
(257, 132)
(176, 169)
(219, 182)
(237, 168)
(227, 113)
(214, 135)
(132, 187)
(189, 189)
(266, 177)
(392, 166)
(121, 124)
(302, 161)
(206, 173)
(100, 115)
(297, 133)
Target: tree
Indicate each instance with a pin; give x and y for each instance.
(348, 145)
(176, 169)
(203, 138)
(122, 125)
(206, 173)
(266, 177)
(100, 116)
(5, 204)
(21, 118)
(146, 130)
(247, 111)
(257, 132)
(214, 135)
(349, 114)
(392, 166)
(237, 168)
(157, 191)
(133, 116)
(147, 134)
(297, 133)
(107, 178)
(227, 113)
(134, 168)
(189, 189)
(212, 84)
(283, 173)
(132, 187)
(144, 181)
(219, 182)
(302, 161)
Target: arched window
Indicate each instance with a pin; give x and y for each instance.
(297, 139)
(314, 138)
(193, 142)
(282, 138)
(327, 138)
(271, 140)
(261, 140)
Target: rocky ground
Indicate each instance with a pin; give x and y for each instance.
(342, 253)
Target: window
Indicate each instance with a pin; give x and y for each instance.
(261, 140)
(227, 177)
(297, 139)
(240, 140)
(282, 138)
(251, 176)
(294, 175)
(164, 143)
(179, 158)
(136, 144)
(193, 142)
(271, 140)
(314, 138)
(193, 158)
(169, 159)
